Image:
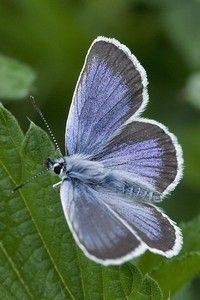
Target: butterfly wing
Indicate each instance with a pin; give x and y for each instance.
(111, 88)
(159, 233)
(98, 232)
(111, 230)
(146, 151)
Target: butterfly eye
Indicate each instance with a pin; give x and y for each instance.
(57, 168)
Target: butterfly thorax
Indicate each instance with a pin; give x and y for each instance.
(78, 167)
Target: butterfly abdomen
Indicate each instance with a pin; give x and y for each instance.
(142, 193)
(123, 184)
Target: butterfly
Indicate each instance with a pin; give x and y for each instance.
(118, 165)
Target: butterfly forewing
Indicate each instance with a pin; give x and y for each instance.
(110, 89)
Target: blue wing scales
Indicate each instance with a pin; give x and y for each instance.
(111, 88)
(97, 231)
(111, 230)
(147, 152)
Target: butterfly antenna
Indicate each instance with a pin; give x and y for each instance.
(28, 181)
(46, 124)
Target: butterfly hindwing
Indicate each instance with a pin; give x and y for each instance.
(98, 232)
(111, 229)
(151, 225)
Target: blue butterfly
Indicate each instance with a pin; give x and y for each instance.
(117, 164)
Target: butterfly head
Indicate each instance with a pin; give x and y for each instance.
(56, 165)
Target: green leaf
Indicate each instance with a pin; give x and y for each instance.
(127, 274)
(150, 289)
(11, 140)
(173, 274)
(142, 287)
(16, 79)
(148, 261)
(39, 259)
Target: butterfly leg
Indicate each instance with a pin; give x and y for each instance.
(57, 184)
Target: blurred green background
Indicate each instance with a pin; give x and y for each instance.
(52, 38)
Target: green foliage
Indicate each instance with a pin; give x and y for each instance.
(192, 159)
(181, 19)
(191, 232)
(193, 89)
(16, 79)
(173, 274)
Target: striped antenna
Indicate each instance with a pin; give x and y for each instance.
(46, 124)
(28, 181)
